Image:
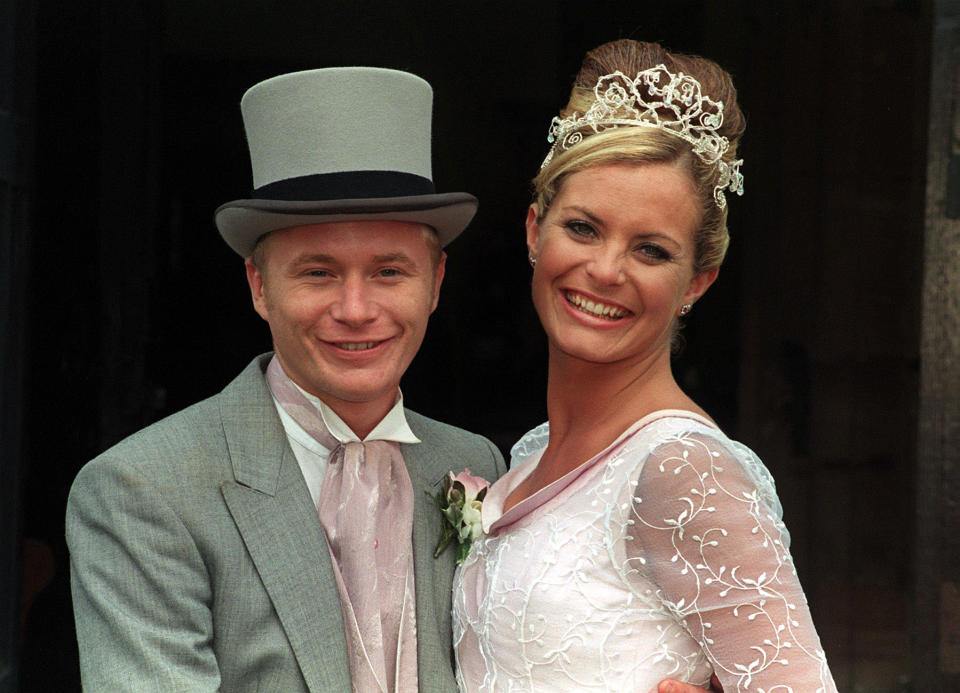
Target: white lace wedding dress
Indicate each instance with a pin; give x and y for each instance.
(663, 556)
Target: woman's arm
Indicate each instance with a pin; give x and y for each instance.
(718, 552)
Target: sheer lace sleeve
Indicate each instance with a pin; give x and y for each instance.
(700, 524)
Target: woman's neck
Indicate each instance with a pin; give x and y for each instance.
(590, 404)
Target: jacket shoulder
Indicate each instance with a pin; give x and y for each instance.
(186, 427)
(197, 432)
(457, 444)
(431, 430)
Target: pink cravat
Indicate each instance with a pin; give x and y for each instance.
(366, 509)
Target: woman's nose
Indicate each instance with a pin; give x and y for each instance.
(606, 266)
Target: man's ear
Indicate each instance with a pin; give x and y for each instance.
(438, 279)
(255, 281)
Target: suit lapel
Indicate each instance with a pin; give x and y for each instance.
(274, 513)
(434, 576)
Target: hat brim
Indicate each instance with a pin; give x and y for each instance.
(242, 222)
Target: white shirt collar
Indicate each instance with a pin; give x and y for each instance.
(392, 427)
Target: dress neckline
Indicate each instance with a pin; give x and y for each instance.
(492, 515)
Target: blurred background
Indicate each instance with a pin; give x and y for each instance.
(830, 343)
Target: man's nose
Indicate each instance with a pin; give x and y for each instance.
(356, 305)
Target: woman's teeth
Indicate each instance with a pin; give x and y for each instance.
(600, 310)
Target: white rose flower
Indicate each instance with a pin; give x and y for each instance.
(472, 525)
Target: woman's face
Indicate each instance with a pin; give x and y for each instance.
(615, 259)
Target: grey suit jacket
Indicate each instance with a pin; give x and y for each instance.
(198, 562)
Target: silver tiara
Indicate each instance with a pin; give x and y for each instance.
(657, 98)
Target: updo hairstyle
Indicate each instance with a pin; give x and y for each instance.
(643, 145)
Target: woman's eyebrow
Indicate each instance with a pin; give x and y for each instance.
(585, 212)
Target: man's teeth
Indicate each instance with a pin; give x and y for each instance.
(356, 346)
(601, 310)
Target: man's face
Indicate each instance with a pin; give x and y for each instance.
(347, 304)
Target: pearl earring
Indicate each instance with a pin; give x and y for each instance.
(685, 308)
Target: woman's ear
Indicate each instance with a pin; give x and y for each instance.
(533, 231)
(699, 285)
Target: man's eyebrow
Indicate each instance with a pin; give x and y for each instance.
(314, 257)
(401, 258)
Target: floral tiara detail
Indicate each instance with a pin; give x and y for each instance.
(656, 98)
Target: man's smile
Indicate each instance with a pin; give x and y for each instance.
(357, 346)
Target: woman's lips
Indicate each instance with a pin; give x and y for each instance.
(594, 307)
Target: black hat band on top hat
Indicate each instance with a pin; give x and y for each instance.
(346, 185)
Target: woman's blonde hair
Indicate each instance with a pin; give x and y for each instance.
(644, 145)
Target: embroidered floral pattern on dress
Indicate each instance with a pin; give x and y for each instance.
(665, 557)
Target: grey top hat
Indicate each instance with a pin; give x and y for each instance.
(340, 144)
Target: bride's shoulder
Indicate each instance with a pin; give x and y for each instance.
(671, 426)
(530, 444)
(679, 442)
(676, 434)
(644, 435)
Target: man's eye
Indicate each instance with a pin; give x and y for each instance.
(389, 272)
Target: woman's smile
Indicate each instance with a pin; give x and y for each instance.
(595, 307)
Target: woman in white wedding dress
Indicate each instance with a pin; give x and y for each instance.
(632, 541)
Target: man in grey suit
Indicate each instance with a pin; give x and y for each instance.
(199, 559)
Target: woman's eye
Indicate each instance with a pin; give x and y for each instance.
(654, 252)
(580, 228)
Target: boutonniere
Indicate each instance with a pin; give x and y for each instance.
(460, 502)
